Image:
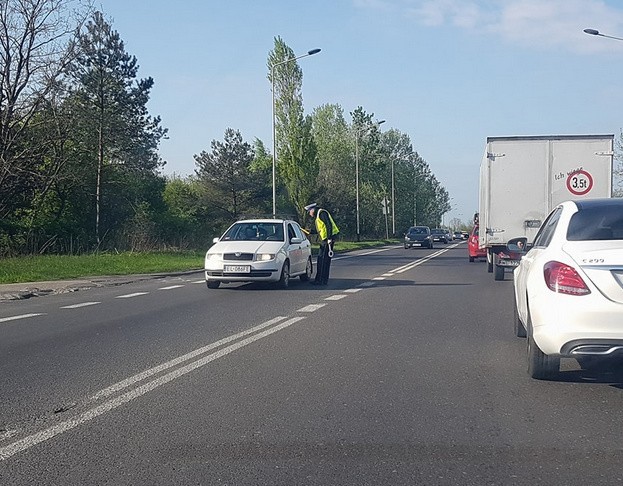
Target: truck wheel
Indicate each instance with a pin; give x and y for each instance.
(499, 273)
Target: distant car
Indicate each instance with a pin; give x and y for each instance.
(457, 235)
(472, 246)
(465, 235)
(419, 237)
(449, 236)
(568, 287)
(259, 250)
(439, 234)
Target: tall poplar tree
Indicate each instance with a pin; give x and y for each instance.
(297, 165)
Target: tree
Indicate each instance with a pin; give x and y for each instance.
(230, 186)
(336, 176)
(297, 164)
(116, 131)
(35, 47)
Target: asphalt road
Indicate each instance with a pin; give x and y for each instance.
(404, 370)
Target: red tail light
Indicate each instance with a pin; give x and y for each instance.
(564, 279)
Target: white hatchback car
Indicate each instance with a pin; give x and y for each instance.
(569, 286)
(259, 250)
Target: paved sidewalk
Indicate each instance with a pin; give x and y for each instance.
(27, 290)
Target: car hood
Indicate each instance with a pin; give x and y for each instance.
(602, 262)
(246, 247)
(417, 237)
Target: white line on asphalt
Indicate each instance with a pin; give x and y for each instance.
(43, 435)
(366, 284)
(379, 278)
(174, 362)
(170, 287)
(388, 275)
(76, 306)
(23, 316)
(352, 291)
(342, 257)
(420, 261)
(311, 307)
(336, 297)
(199, 282)
(127, 296)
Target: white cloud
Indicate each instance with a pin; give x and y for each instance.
(535, 23)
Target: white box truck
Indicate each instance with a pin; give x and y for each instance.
(523, 178)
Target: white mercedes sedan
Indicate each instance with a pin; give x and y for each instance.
(259, 250)
(569, 286)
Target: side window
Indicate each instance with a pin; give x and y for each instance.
(299, 232)
(544, 236)
(291, 233)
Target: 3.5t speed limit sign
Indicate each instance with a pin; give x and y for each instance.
(579, 182)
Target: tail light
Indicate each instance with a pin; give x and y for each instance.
(563, 279)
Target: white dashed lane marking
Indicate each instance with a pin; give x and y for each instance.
(336, 297)
(23, 316)
(170, 287)
(127, 296)
(311, 308)
(77, 306)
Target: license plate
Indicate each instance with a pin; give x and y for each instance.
(237, 269)
(417, 244)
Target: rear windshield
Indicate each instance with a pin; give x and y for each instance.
(596, 223)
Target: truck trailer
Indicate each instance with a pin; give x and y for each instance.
(522, 178)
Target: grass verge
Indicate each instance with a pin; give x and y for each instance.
(63, 267)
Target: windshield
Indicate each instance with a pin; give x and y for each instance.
(255, 231)
(417, 231)
(597, 223)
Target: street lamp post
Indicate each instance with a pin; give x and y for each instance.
(596, 32)
(272, 79)
(393, 199)
(357, 133)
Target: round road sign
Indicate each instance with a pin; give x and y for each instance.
(579, 182)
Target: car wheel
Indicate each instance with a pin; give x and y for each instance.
(471, 258)
(284, 279)
(540, 365)
(309, 269)
(213, 284)
(406, 247)
(519, 328)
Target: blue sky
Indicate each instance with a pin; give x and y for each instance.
(448, 73)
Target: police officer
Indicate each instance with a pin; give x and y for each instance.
(327, 231)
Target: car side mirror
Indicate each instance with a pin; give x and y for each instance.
(518, 245)
(296, 241)
(216, 240)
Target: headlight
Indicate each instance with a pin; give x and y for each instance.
(214, 256)
(264, 257)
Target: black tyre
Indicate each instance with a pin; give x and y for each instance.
(518, 327)
(309, 269)
(540, 365)
(213, 284)
(489, 262)
(406, 247)
(499, 273)
(471, 258)
(284, 279)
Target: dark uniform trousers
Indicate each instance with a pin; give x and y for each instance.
(324, 262)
